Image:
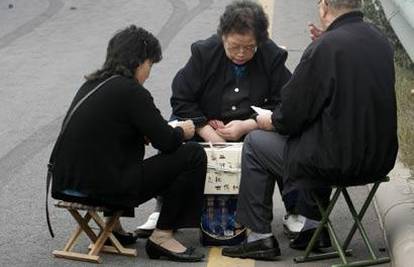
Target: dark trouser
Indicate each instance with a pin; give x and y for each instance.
(262, 168)
(179, 178)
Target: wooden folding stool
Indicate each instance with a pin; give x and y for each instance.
(342, 249)
(98, 241)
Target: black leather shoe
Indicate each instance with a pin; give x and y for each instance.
(302, 240)
(125, 239)
(155, 251)
(142, 233)
(289, 234)
(265, 249)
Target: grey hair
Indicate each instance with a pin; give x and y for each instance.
(345, 4)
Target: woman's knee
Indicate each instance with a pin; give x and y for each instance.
(195, 153)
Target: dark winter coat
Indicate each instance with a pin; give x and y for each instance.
(101, 156)
(339, 108)
(206, 87)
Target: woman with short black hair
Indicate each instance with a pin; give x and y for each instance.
(127, 50)
(100, 159)
(229, 72)
(244, 17)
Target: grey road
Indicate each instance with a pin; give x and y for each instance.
(46, 46)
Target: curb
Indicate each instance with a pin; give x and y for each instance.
(398, 13)
(395, 206)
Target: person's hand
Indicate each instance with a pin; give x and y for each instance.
(209, 134)
(234, 130)
(314, 31)
(264, 121)
(216, 124)
(188, 128)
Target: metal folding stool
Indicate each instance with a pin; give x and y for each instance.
(342, 250)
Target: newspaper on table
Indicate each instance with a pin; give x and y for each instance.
(223, 168)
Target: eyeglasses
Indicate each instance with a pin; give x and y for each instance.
(235, 49)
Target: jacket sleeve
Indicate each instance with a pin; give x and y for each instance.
(186, 89)
(148, 120)
(303, 97)
(279, 76)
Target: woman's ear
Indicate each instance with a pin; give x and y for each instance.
(137, 71)
(142, 71)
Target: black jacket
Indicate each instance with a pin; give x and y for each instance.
(198, 88)
(339, 108)
(100, 159)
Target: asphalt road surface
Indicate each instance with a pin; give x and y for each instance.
(46, 46)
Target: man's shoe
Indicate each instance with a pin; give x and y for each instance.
(302, 240)
(155, 251)
(292, 224)
(263, 249)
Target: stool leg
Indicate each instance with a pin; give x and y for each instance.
(357, 219)
(105, 232)
(340, 252)
(82, 223)
(325, 221)
(72, 240)
(117, 246)
(361, 214)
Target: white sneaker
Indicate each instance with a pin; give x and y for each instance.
(151, 223)
(293, 224)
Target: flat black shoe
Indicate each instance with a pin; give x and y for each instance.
(155, 251)
(265, 249)
(125, 239)
(288, 233)
(302, 240)
(141, 233)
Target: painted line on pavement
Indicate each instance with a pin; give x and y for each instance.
(180, 17)
(53, 8)
(215, 259)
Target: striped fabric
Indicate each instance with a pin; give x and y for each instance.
(78, 206)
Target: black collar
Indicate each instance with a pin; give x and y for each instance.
(350, 17)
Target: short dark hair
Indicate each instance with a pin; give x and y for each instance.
(243, 17)
(126, 50)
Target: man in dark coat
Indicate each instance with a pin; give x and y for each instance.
(339, 112)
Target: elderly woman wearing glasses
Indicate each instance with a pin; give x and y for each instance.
(227, 73)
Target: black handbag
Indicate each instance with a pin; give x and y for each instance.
(51, 164)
